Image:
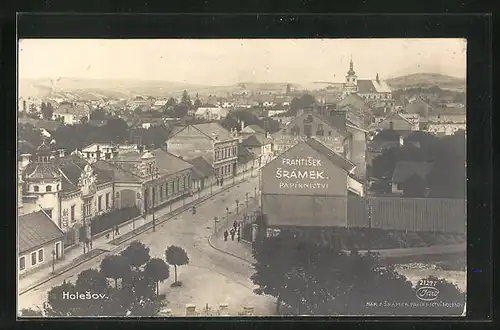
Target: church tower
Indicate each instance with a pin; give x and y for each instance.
(351, 84)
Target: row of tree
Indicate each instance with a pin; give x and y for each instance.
(234, 119)
(308, 278)
(134, 290)
(447, 177)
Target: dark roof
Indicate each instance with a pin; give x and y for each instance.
(35, 170)
(169, 162)
(331, 155)
(256, 140)
(36, 230)
(244, 155)
(120, 174)
(336, 122)
(25, 147)
(405, 170)
(256, 128)
(48, 125)
(201, 169)
(354, 100)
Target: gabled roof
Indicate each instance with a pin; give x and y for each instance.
(334, 157)
(202, 169)
(36, 230)
(256, 140)
(335, 122)
(354, 100)
(213, 129)
(169, 162)
(255, 128)
(120, 174)
(373, 86)
(245, 155)
(405, 170)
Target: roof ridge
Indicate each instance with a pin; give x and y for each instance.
(122, 169)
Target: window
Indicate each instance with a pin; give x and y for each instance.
(161, 191)
(99, 203)
(178, 184)
(72, 215)
(87, 207)
(166, 189)
(22, 263)
(217, 155)
(107, 200)
(33, 258)
(57, 187)
(40, 255)
(329, 133)
(117, 194)
(35, 188)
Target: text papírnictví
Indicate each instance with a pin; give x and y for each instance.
(84, 296)
(312, 176)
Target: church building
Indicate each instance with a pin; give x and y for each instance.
(372, 91)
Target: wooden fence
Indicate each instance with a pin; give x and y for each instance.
(408, 214)
(391, 213)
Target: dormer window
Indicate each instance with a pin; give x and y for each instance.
(48, 188)
(36, 189)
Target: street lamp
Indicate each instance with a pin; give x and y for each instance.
(215, 224)
(154, 175)
(227, 216)
(53, 260)
(237, 205)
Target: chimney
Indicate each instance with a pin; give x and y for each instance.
(165, 146)
(25, 159)
(391, 125)
(62, 153)
(140, 148)
(377, 78)
(98, 153)
(242, 125)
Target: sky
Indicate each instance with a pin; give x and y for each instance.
(228, 61)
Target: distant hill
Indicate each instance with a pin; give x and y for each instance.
(112, 88)
(426, 80)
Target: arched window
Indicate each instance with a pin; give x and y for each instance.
(57, 187)
(35, 188)
(48, 188)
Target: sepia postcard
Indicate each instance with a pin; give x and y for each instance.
(241, 177)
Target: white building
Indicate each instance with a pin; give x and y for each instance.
(214, 113)
(71, 114)
(98, 151)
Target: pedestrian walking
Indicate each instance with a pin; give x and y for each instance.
(91, 244)
(225, 236)
(238, 235)
(235, 225)
(217, 181)
(232, 234)
(221, 182)
(117, 230)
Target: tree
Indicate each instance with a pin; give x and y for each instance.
(176, 256)
(47, 111)
(157, 270)
(171, 102)
(186, 99)
(296, 104)
(84, 120)
(99, 114)
(115, 267)
(91, 280)
(137, 254)
(197, 103)
(57, 305)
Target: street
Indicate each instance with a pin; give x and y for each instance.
(210, 278)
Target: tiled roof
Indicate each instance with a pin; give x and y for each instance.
(256, 128)
(36, 230)
(37, 171)
(213, 129)
(256, 140)
(202, 169)
(353, 100)
(245, 155)
(120, 174)
(405, 170)
(335, 122)
(331, 155)
(170, 163)
(373, 86)
(25, 147)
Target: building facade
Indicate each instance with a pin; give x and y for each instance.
(71, 114)
(218, 146)
(40, 243)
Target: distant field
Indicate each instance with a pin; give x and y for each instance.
(426, 80)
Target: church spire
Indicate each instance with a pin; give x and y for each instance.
(351, 68)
